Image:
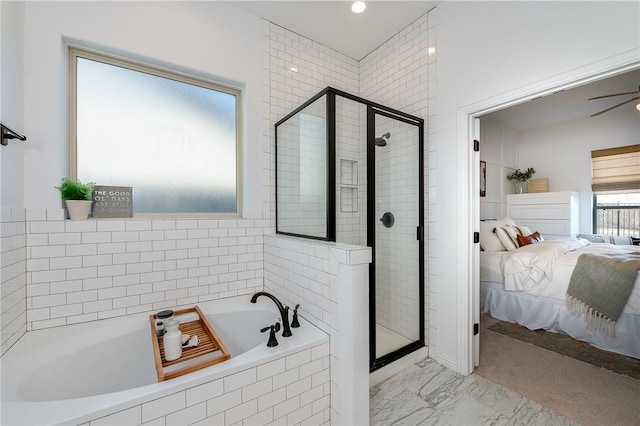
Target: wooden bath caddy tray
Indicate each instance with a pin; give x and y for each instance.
(209, 344)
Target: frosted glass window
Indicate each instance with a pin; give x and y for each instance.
(173, 139)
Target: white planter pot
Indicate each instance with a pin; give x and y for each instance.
(78, 209)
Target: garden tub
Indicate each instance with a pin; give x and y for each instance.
(77, 373)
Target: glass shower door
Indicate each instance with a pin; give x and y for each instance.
(395, 233)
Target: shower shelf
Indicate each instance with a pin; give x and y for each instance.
(348, 172)
(209, 351)
(348, 186)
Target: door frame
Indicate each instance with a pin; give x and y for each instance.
(469, 284)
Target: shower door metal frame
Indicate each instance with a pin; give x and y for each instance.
(331, 164)
(372, 110)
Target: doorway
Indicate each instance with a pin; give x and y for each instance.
(525, 117)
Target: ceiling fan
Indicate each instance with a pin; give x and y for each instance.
(635, 98)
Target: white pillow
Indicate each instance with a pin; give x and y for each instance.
(523, 230)
(508, 236)
(488, 240)
(508, 221)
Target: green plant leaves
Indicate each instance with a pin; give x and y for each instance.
(70, 190)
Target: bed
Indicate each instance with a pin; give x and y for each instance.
(528, 285)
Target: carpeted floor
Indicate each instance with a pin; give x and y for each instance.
(587, 394)
(572, 348)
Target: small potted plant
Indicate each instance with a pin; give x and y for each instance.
(521, 179)
(78, 197)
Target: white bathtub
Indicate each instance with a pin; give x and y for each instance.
(73, 374)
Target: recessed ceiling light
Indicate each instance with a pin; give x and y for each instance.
(638, 107)
(293, 69)
(358, 6)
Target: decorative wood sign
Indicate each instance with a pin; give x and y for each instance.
(112, 201)
(539, 185)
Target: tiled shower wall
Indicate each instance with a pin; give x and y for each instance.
(397, 257)
(401, 74)
(316, 67)
(80, 271)
(302, 170)
(351, 172)
(13, 253)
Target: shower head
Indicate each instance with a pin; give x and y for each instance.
(382, 141)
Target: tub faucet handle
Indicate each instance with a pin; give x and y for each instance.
(272, 334)
(294, 322)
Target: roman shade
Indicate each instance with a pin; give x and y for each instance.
(616, 169)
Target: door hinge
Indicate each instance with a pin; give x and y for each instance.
(420, 233)
(476, 237)
(476, 329)
(476, 145)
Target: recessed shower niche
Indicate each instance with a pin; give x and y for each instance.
(351, 171)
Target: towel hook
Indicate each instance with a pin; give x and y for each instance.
(8, 133)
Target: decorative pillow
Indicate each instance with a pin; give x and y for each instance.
(523, 230)
(488, 239)
(508, 236)
(524, 240)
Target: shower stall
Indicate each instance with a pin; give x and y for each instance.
(351, 171)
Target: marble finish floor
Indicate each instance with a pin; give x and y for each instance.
(428, 393)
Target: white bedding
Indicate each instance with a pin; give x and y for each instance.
(545, 268)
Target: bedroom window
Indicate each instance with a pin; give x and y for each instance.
(173, 138)
(616, 189)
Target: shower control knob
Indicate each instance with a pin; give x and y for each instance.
(387, 220)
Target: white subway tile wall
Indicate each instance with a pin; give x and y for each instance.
(13, 260)
(351, 172)
(296, 69)
(287, 391)
(401, 74)
(305, 273)
(301, 272)
(80, 271)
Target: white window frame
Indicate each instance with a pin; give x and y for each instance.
(74, 51)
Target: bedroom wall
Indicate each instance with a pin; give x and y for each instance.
(563, 147)
(499, 149)
(490, 53)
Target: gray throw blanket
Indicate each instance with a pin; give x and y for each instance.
(600, 286)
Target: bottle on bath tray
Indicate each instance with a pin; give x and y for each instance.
(172, 341)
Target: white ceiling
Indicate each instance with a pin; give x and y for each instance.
(332, 24)
(572, 104)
